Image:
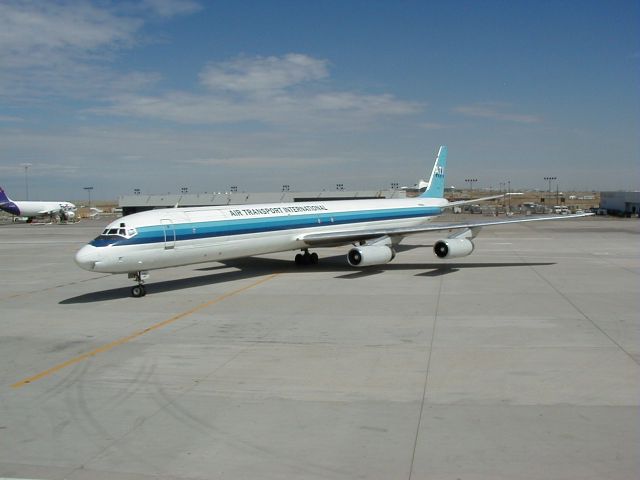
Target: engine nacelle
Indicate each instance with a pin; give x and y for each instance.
(370, 255)
(70, 215)
(453, 247)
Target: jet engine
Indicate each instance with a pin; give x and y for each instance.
(66, 215)
(453, 247)
(367, 255)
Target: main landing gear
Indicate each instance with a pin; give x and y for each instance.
(139, 290)
(307, 258)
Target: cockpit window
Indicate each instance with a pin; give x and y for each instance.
(121, 231)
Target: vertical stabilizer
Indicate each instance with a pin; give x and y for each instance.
(3, 196)
(7, 204)
(435, 188)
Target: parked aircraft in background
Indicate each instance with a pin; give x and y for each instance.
(173, 237)
(31, 209)
(94, 212)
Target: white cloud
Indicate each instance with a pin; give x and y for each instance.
(384, 104)
(43, 168)
(433, 126)
(161, 160)
(494, 111)
(45, 33)
(268, 90)
(10, 118)
(260, 74)
(170, 8)
(272, 161)
(64, 48)
(293, 110)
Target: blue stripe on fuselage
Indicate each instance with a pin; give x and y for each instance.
(224, 228)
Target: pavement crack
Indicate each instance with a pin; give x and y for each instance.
(426, 377)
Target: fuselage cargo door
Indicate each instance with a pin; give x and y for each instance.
(169, 234)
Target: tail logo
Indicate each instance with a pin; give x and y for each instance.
(438, 171)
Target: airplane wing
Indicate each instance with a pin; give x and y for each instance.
(351, 236)
(51, 211)
(481, 199)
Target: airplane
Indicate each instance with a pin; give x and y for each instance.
(172, 237)
(31, 209)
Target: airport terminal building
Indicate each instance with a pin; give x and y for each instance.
(139, 203)
(620, 203)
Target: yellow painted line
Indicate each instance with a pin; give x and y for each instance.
(137, 334)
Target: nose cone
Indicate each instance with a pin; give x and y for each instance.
(87, 257)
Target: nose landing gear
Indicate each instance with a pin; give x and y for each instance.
(139, 290)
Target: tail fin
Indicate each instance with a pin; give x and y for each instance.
(435, 188)
(7, 205)
(3, 196)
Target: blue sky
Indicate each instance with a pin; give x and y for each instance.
(161, 94)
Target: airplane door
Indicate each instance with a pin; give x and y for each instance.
(169, 234)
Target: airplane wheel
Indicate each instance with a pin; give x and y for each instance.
(138, 291)
(299, 259)
(313, 258)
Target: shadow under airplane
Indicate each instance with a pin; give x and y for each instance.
(255, 266)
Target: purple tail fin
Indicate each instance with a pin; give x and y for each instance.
(3, 196)
(7, 205)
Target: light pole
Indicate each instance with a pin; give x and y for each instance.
(26, 179)
(88, 189)
(549, 180)
(509, 192)
(470, 181)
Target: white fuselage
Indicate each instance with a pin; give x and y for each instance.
(26, 208)
(182, 236)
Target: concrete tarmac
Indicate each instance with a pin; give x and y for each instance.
(521, 361)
